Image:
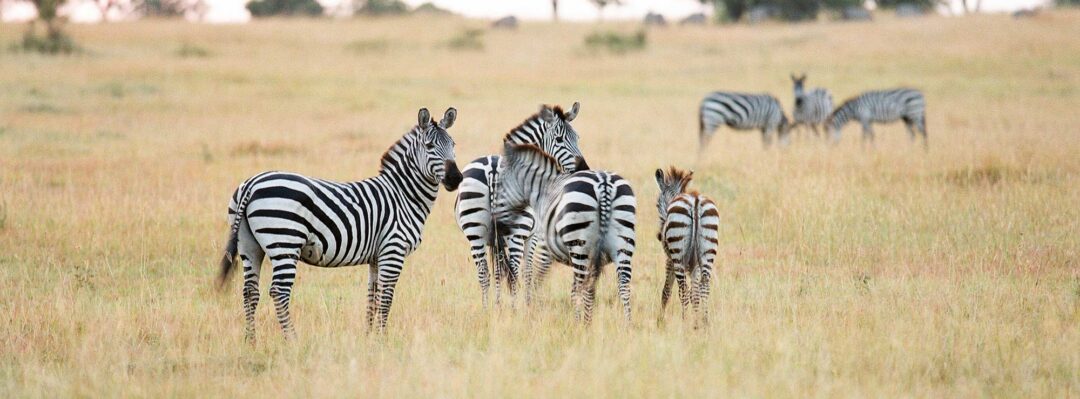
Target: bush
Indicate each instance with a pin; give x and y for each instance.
(266, 8)
(161, 8)
(789, 10)
(469, 39)
(55, 42)
(616, 43)
(921, 4)
(384, 7)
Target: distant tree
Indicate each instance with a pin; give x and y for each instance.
(384, 7)
(1068, 3)
(265, 8)
(924, 4)
(555, 10)
(602, 4)
(162, 8)
(55, 40)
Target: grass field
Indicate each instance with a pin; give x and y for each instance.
(844, 272)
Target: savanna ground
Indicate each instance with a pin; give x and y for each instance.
(844, 272)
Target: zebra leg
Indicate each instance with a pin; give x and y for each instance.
(665, 295)
(684, 290)
(766, 138)
(921, 124)
(372, 295)
(695, 294)
(390, 265)
(520, 233)
(814, 128)
(588, 297)
(281, 289)
(868, 134)
(703, 287)
(578, 259)
(251, 254)
(479, 256)
(623, 272)
(909, 124)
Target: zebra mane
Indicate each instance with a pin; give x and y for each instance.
(530, 120)
(515, 154)
(676, 176)
(399, 147)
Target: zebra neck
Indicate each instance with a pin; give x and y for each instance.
(529, 132)
(404, 175)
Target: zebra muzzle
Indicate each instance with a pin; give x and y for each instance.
(580, 164)
(453, 176)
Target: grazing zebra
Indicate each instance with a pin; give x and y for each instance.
(811, 108)
(586, 220)
(742, 111)
(376, 221)
(688, 232)
(549, 129)
(881, 106)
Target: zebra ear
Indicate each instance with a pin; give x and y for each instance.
(573, 111)
(448, 118)
(660, 178)
(423, 119)
(547, 114)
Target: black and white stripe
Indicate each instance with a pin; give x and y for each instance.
(376, 221)
(689, 224)
(742, 111)
(881, 106)
(584, 219)
(551, 131)
(811, 107)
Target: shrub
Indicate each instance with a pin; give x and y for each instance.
(615, 42)
(188, 50)
(383, 7)
(265, 8)
(469, 39)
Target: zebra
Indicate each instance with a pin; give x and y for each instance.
(811, 108)
(376, 221)
(742, 111)
(586, 220)
(549, 129)
(881, 106)
(688, 232)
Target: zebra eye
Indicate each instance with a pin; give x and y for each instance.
(430, 145)
(560, 139)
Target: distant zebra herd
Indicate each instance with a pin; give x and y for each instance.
(814, 109)
(537, 203)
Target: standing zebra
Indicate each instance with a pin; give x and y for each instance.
(811, 108)
(742, 111)
(586, 220)
(688, 231)
(881, 106)
(376, 221)
(551, 131)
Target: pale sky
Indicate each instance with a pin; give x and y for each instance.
(569, 10)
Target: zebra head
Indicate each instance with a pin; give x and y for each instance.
(559, 139)
(798, 81)
(435, 155)
(526, 171)
(671, 184)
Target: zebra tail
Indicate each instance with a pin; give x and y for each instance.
(604, 220)
(228, 261)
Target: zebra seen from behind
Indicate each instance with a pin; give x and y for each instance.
(376, 221)
(689, 224)
(549, 130)
(811, 108)
(585, 219)
(881, 106)
(741, 111)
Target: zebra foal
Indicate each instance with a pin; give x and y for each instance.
(376, 221)
(493, 235)
(689, 224)
(584, 219)
(881, 106)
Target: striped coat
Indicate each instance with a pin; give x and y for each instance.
(811, 107)
(881, 106)
(585, 219)
(689, 224)
(377, 221)
(500, 236)
(741, 111)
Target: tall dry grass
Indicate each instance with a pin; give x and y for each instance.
(844, 272)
